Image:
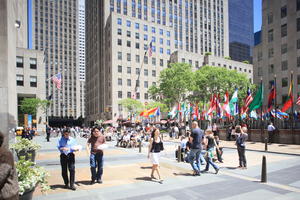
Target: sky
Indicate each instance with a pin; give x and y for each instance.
(257, 15)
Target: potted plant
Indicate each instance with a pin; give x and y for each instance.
(29, 176)
(26, 148)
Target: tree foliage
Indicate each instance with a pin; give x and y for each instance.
(163, 107)
(174, 83)
(131, 105)
(30, 105)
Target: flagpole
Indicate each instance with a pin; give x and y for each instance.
(261, 121)
(292, 96)
(275, 99)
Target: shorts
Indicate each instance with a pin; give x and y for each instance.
(155, 158)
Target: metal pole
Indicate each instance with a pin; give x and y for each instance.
(264, 170)
(140, 146)
(292, 96)
(179, 154)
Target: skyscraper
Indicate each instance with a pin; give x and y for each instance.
(81, 53)
(240, 29)
(54, 25)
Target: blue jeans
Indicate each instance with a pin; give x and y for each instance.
(96, 161)
(202, 159)
(209, 160)
(195, 156)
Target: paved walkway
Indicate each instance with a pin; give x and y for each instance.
(126, 175)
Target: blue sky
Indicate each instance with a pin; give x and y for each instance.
(257, 15)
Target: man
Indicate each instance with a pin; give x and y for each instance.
(66, 146)
(196, 138)
(48, 131)
(271, 130)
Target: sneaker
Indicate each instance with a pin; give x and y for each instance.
(99, 181)
(73, 187)
(217, 170)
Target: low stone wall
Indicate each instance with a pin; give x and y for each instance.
(282, 136)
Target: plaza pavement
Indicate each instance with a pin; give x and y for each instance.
(126, 174)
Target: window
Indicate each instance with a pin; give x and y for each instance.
(146, 96)
(145, 59)
(259, 71)
(153, 61)
(20, 80)
(153, 83)
(197, 64)
(137, 36)
(284, 65)
(137, 83)
(20, 62)
(128, 70)
(119, 42)
(298, 44)
(168, 51)
(168, 34)
(119, 68)
(168, 42)
(32, 62)
(153, 39)
(128, 33)
(128, 82)
(161, 62)
(190, 62)
(283, 30)
(270, 18)
(128, 44)
(119, 94)
(137, 26)
(145, 84)
(33, 81)
(145, 72)
(119, 55)
(153, 73)
(298, 79)
(298, 61)
(298, 24)
(283, 11)
(145, 28)
(183, 60)
(128, 57)
(137, 58)
(161, 50)
(119, 81)
(119, 31)
(138, 95)
(128, 94)
(271, 68)
(270, 35)
(283, 48)
(137, 71)
(128, 23)
(298, 5)
(153, 29)
(146, 37)
(119, 21)
(137, 45)
(284, 82)
(271, 53)
(161, 31)
(161, 41)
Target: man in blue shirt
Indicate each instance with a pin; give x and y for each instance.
(196, 147)
(67, 158)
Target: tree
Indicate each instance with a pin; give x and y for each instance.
(131, 105)
(30, 105)
(209, 80)
(174, 83)
(163, 107)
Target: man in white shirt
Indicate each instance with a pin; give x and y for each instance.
(271, 130)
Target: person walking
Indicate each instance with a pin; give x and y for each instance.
(155, 147)
(196, 136)
(211, 144)
(241, 137)
(96, 154)
(9, 188)
(271, 130)
(67, 146)
(48, 131)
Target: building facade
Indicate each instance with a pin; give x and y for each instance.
(118, 34)
(278, 54)
(54, 25)
(240, 29)
(81, 53)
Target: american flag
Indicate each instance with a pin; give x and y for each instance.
(56, 79)
(298, 101)
(248, 99)
(150, 49)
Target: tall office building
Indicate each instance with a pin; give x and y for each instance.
(241, 29)
(81, 53)
(278, 54)
(118, 34)
(54, 26)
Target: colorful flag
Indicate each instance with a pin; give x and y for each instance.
(226, 107)
(298, 101)
(212, 106)
(247, 102)
(56, 79)
(157, 112)
(289, 102)
(173, 112)
(258, 99)
(233, 104)
(150, 49)
(271, 97)
(219, 107)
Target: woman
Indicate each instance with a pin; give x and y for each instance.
(96, 154)
(211, 144)
(155, 146)
(241, 137)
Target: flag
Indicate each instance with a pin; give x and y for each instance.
(56, 79)
(271, 97)
(247, 102)
(253, 114)
(298, 101)
(233, 103)
(219, 107)
(157, 112)
(226, 107)
(212, 106)
(258, 99)
(289, 102)
(172, 113)
(150, 112)
(150, 49)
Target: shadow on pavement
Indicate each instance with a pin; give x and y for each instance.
(231, 168)
(183, 174)
(145, 178)
(146, 167)
(83, 182)
(57, 186)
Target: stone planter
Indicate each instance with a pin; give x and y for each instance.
(29, 155)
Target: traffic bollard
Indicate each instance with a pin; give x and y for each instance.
(179, 154)
(140, 147)
(264, 170)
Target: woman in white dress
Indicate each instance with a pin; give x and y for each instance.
(155, 146)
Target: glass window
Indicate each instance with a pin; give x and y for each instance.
(145, 84)
(128, 82)
(283, 11)
(298, 61)
(284, 82)
(298, 24)
(270, 18)
(119, 55)
(168, 33)
(161, 31)
(283, 48)
(138, 95)
(137, 58)
(298, 79)
(270, 35)
(128, 33)
(298, 5)
(145, 28)
(119, 20)
(168, 51)
(119, 31)
(161, 62)
(32, 62)
(20, 80)
(119, 68)
(137, 36)
(153, 73)
(137, 26)
(283, 30)
(20, 62)
(161, 50)
(119, 81)
(161, 41)
(128, 44)
(183, 60)
(168, 42)
(119, 42)
(271, 68)
(146, 96)
(128, 57)
(145, 72)
(284, 65)
(137, 71)
(153, 39)
(298, 44)
(153, 29)
(153, 61)
(128, 70)
(146, 37)
(119, 94)
(137, 45)
(128, 94)
(128, 23)
(145, 47)
(271, 53)
(33, 81)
